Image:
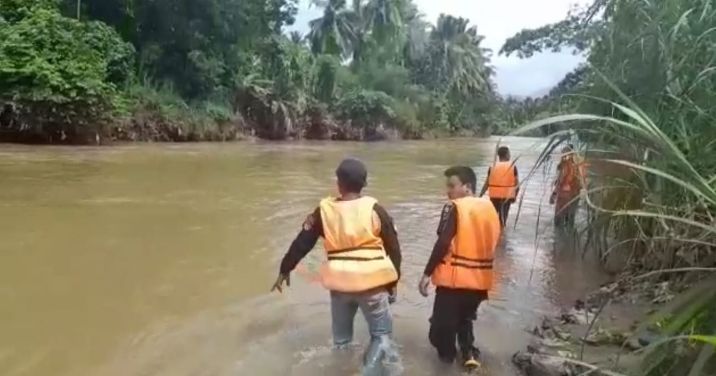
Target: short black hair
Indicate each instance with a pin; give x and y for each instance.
(352, 175)
(465, 174)
(502, 152)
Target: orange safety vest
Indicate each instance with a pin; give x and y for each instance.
(468, 264)
(356, 258)
(502, 182)
(573, 172)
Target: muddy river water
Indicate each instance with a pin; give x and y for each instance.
(158, 259)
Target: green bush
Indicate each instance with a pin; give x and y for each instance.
(55, 72)
(406, 117)
(366, 108)
(15, 10)
(118, 54)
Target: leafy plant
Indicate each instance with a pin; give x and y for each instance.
(366, 109)
(54, 75)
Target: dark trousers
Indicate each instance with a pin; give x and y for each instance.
(502, 205)
(565, 210)
(453, 313)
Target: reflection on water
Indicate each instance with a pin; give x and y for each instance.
(157, 260)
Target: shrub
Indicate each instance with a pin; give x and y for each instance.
(55, 71)
(366, 108)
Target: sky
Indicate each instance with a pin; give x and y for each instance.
(497, 20)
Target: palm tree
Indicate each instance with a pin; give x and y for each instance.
(456, 59)
(416, 34)
(334, 33)
(383, 19)
(296, 37)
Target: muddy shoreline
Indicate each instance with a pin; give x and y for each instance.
(148, 126)
(605, 333)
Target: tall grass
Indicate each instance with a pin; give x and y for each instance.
(652, 152)
(668, 231)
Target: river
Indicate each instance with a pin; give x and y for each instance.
(158, 259)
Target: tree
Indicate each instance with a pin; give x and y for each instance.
(209, 53)
(383, 19)
(455, 59)
(56, 73)
(455, 66)
(417, 34)
(296, 37)
(196, 46)
(334, 33)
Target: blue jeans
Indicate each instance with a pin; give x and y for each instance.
(376, 310)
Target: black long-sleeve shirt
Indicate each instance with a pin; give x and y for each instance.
(313, 229)
(447, 229)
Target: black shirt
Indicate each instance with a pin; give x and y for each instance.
(313, 229)
(447, 228)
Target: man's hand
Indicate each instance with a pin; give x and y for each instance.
(393, 294)
(423, 285)
(279, 282)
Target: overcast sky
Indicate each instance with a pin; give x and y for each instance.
(497, 20)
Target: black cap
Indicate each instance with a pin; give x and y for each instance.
(352, 174)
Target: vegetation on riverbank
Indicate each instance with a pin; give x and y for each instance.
(82, 70)
(642, 112)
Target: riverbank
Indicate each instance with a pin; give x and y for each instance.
(611, 331)
(155, 126)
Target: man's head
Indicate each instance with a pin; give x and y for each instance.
(503, 152)
(567, 151)
(352, 176)
(461, 182)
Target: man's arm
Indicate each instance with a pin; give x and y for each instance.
(487, 183)
(304, 242)
(446, 232)
(389, 236)
(558, 180)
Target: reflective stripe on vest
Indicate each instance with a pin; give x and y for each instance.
(356, 259)
(502, 182)
(468, 264)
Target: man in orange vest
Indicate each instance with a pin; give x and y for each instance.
(502, 183)
(363, 261)
(460, 266)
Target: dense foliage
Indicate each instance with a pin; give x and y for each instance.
(91, 62)
(648, 87)
(58, 75)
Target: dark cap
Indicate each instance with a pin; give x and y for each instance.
(352, 174)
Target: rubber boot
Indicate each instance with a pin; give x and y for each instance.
(380, 352)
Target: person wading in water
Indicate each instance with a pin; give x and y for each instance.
(461, 266)
(502, 184)
(363, 262)
(567, 186)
